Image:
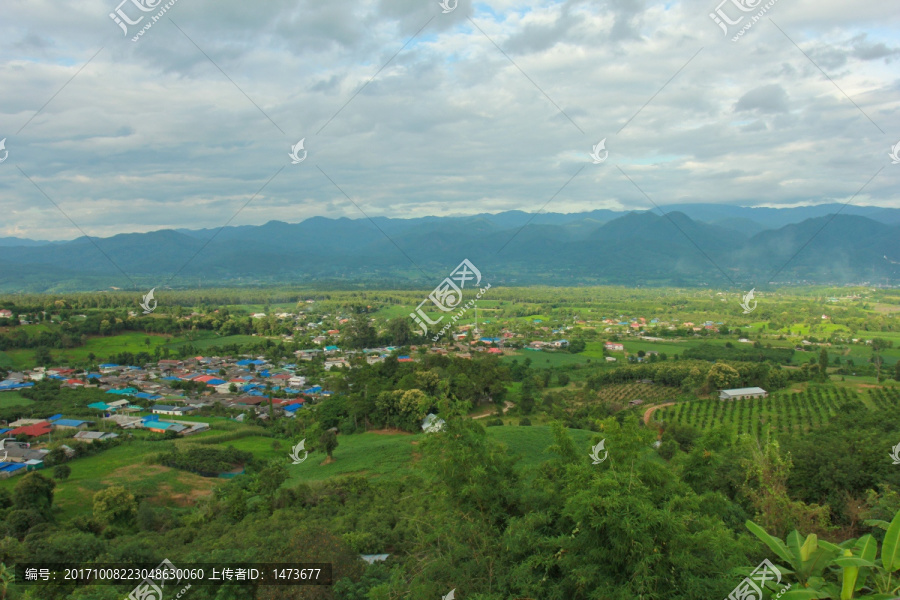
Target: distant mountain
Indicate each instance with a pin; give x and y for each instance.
(634, 248)
(14, 241)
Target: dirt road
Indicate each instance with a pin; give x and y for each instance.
(649, 412)
(507, 406)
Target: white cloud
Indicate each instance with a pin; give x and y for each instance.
(152, 135)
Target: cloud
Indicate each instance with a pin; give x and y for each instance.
(765, 99)
(494, 106)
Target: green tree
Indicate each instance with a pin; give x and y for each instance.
(399, 332)
(722, 376)
(823, 364)
(115, 506)
(62, 472)
(577, 345)
(6, 578)
(42, 356)
(328, 440)
(270, 479)
(34, 492)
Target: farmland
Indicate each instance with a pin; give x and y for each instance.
(784, 412)
(531, 473)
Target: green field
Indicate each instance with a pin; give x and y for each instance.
(123, 465)
(13, 399)
(104, 347)
(786, 411)
(371, 454)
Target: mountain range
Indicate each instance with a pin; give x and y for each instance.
(687, 245)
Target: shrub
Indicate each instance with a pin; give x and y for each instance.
(62, 472)
(525, 421)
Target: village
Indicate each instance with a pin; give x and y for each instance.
(154, 397)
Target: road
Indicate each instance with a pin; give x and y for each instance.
(649, 412)
(507, 406)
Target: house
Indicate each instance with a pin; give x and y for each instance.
(610, 359)
(5, 314)
(10, 384)
(614, 346)
(8, 469)
(163, 409)
(225, 388)
(560, 344)
(432, 424)
(741, 393)
(636, 402)
(372, 558)
(124, 421)
(36, 430)
(90, 436)
(250, 400)
(70, 424)
(337, 362)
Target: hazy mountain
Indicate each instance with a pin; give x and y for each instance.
(636, 248)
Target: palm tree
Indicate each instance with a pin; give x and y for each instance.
(6, 577)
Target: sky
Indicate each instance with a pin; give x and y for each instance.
(406, 110)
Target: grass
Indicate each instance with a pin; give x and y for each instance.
(104, 347)
(8, 399)
(123, 465)
(530, 444)
(367, 453)
(391, 454)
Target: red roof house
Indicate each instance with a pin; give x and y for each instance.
(35, 430)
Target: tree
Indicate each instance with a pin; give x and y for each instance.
(823, 364)
(42, 356)
(329, 442)
(360, 333)
(115, 506)
(34, 491)
(6, 577)
(577, 345)
(398, 331)
(722, 376)
(270, 479)
(62, 472)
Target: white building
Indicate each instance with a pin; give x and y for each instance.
(741, 393)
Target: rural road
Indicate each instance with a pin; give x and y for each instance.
(507, 406)
(649, 412)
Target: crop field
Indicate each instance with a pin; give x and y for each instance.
(783, 411)
(621, 393)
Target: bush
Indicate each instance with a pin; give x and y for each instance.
(205, 461)
(18, 522)
(668, 449)
(494, 423)
(524, 422)
(62, 472)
